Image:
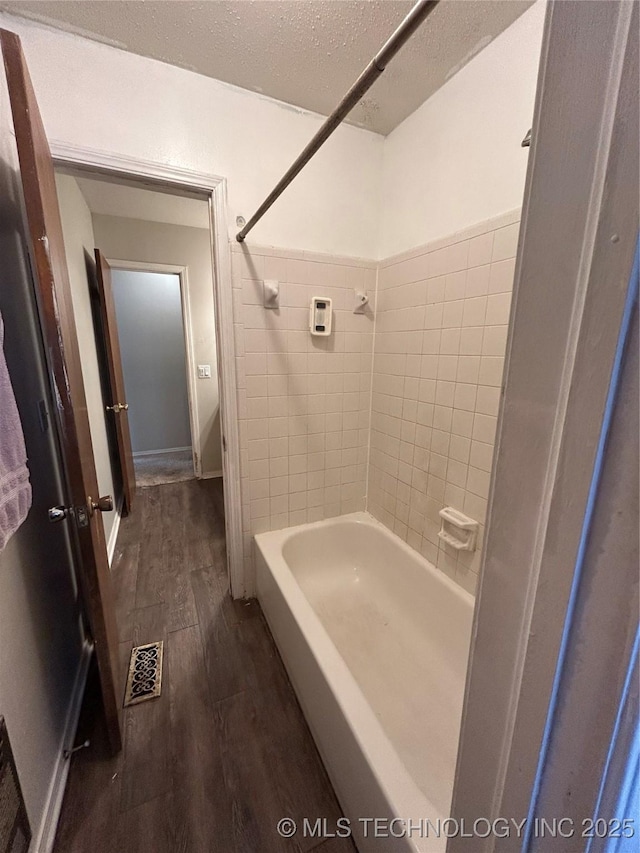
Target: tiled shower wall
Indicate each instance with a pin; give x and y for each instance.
(328, 427)
(440, 337)
(304, 402)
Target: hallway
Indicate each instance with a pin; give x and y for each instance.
(224, 753)
(156, 469)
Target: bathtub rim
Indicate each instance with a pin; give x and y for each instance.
(362, 517)
(398, 787)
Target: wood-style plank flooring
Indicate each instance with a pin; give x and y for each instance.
(224, 753)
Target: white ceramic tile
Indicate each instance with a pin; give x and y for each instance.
(484, 428)
(481, 455)
(468, 368)
(436, 289)
(491, 370)
(431, 341)
(447, 367)
(450, 341)
(498, 306)
(475, 310)
(465, 396)
(477, 281)
(505, 242)
(471, 340)
(488, 400)
(452, 314)
(480, 249)
(434, 369)
(455, 284)
(462, 423)
(501, 276)
(445, 392)
(478, 482)
(494, 341)
(457, 473)
(460, 448)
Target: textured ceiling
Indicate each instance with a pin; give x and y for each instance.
(303, 52)
(113, 199)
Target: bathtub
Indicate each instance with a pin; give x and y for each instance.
(375, 641)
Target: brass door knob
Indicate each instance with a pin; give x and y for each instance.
(103, 504)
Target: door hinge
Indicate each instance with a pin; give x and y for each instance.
(224, 444)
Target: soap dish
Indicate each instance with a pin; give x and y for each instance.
(457, 529)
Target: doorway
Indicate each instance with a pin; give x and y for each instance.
(152, 333)
(185, 185)
(153, 244)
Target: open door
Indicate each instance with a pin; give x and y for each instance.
(53, 293)
(118, 405)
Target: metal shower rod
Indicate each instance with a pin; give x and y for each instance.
(368, 77)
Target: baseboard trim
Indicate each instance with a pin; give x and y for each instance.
(159, 452)
(43, 841)
(210, 475)
(113, 536)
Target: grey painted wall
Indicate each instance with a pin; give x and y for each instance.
(151, 332)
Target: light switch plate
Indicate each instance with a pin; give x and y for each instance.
(204, 371)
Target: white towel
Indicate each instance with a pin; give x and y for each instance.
(15, 488)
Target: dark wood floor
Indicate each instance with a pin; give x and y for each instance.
(224, 753)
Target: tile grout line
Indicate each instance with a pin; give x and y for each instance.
(373, 359)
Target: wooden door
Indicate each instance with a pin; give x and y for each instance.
(51, 281)
(118, 406)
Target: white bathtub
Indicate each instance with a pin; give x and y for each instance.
(375, 641)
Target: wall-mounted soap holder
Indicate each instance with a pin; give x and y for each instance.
(320, 316)
(457, 529)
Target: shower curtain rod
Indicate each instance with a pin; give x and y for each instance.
(370, 74)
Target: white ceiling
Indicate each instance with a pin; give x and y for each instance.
(303, 52)
(111, 199)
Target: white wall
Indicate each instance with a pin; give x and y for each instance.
(159, 243)
(96, 96)
(152, 346)
(79, 241)
(457, 160)
(454, 162)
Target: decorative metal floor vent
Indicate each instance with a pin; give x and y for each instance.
(145, 674)
(15, 832)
